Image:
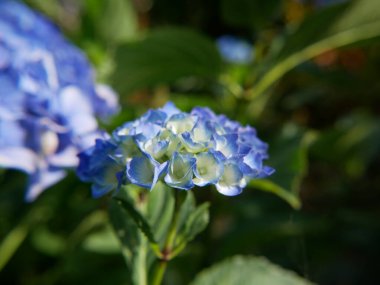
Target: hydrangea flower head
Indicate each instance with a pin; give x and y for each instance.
(235, 50)
(48, 99)
(181, 149)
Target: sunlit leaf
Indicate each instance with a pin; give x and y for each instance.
(164, 56)
(241, 270)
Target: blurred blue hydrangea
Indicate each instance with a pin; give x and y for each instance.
(182, 149)
(322, 3)
(235, 50)
(48, 100)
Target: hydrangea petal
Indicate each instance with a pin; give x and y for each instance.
(170, 109)
(180, 123)
(144, 172)
(180, 171)
(190, 144)
(41, 180)
(227, 144)
(18, 158)
(208, 169)
(232, 181)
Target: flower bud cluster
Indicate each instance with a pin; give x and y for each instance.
(182, 149)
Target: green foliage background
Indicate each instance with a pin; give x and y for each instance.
(312, 92)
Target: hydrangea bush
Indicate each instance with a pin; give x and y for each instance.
(182, 149)
(48, 99)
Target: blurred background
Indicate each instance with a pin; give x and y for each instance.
(304, 73)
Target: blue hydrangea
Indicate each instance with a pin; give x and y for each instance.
(322, 3)
(235, 50)
(181, 149)
(48, 99)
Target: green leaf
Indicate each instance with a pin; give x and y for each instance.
(198, 221)
(289, 157)
(125, 229)
(48, 242)
(353, 141)
(241, 270)
(330, 28)
(160, 210)
(185, 211)
(104, 241)
(269, 186)
(118, 21)
(137, 217)
(134, 231)
(164, 56)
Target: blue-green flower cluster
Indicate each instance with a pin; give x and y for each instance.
(49, 101)
(182, 149)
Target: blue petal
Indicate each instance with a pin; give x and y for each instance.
(78, 110)
(252, 164)
(66, 158)
(180, 123)
(155, 147)
(18, 158)
(109, 101)
(170, 109)
(12, 133)
(97, 166)
(180, 171)
(266, 171)
(154, 116)
(208, 168)
(126, 149)
(248, 137)
(235, 50)
(174, 143)
(228, 125)
(204, 113)
(227, 144)
(147, 130)
(41, 180)
(191, 145)
(143, 172)
(106, 179)
(229, 190)
(11, 99)
(202, 131)
(232, 181)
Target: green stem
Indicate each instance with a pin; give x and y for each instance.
(159, 272)
(337, 40)
(12, 242)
